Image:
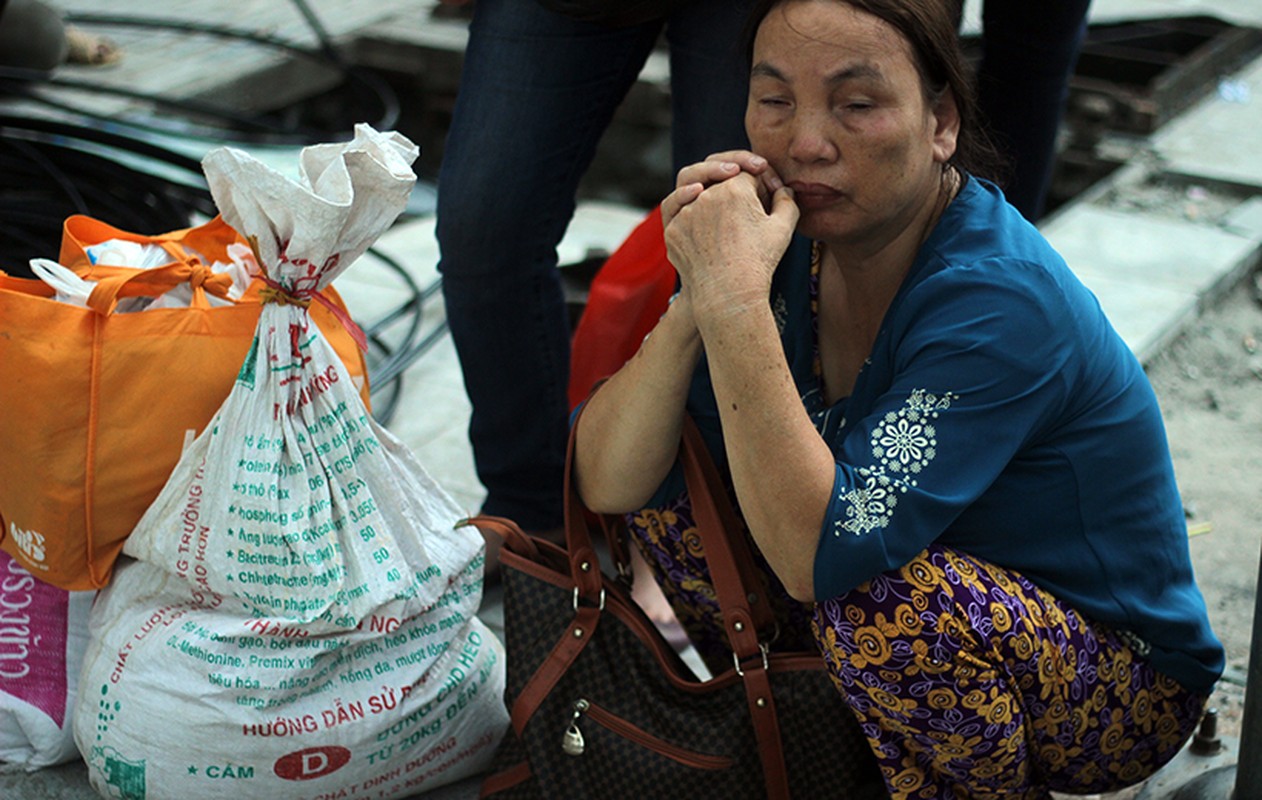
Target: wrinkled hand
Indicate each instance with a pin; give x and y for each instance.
(724, 239)
(717, 168)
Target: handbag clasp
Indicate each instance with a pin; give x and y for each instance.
(602, 599)
(762, 647)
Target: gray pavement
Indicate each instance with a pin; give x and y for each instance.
(1156, 241)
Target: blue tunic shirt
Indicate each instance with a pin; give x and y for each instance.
(1001, 415)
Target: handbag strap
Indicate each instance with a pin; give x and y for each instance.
(569, 645)
(554, 666)
(514, 537)
(584, 560)
(616, 536)
(739, 593)
(736, 578)
(588, 584)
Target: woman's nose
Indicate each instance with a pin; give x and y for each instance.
(810, 143)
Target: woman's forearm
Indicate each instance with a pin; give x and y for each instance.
(628, 434)
(782, 470)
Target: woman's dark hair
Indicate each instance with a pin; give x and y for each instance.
(931, 27)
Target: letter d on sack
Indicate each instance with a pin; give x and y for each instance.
(313, 762)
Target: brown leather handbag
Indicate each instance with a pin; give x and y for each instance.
(603, 707)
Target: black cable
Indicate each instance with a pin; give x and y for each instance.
(322, 35)
(388, 370)
(58, 176)
(57, 128)
(43, 180)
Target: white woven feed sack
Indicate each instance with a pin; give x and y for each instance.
(183, 700)
(43, 633)
(300, 617)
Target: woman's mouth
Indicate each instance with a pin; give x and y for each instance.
(813, 195)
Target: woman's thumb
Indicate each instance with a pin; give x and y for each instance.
(784, 208)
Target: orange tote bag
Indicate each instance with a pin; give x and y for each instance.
(95, 407)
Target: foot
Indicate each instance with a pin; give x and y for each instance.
(90, 49)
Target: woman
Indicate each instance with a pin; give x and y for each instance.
(937, 441)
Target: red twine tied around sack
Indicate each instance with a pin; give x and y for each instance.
(275, 293)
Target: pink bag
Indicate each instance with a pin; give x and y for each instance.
(43, 634)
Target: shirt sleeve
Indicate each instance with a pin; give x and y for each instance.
(975, 361)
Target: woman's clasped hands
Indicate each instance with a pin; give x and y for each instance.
(727, 223)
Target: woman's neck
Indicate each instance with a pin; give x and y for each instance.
(872, 275)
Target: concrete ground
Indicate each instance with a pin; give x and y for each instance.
(1154, 272)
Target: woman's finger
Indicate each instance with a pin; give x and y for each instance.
(784, 209)
(677, 199)
(752, 163)
(749, 161)
(769, 181)
(707, 173)
(717, 168)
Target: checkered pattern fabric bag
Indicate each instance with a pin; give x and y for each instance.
(603, 707)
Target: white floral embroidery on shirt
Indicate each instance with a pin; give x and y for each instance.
(903, 444)
(868, 507)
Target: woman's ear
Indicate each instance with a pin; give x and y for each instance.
(946, 116)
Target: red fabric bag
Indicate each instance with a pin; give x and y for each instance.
(627, 297)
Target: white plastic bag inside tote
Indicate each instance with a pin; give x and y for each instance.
(300, 613)
(75, 290)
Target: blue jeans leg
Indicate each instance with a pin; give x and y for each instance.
(1028, 54)
(537, 91)
(709, 78)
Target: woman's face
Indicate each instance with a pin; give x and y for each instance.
(836, 105)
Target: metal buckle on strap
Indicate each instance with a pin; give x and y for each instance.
(602, 601)
(762, 647)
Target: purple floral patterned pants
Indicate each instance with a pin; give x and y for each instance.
(968, 680)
